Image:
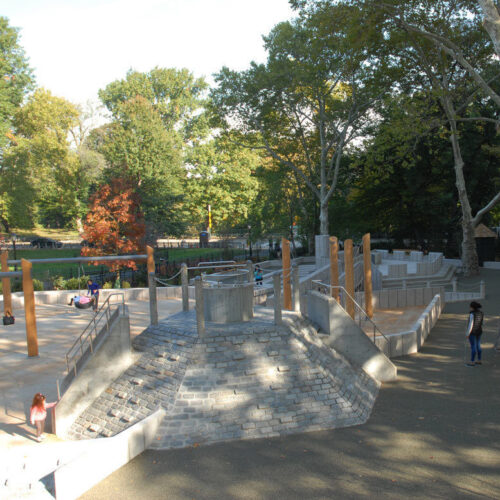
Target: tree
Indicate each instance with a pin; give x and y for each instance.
(138, 144)
(221, 174)
(16, 78)
(440, 35)
(314, 96)
(114, 223)
(157, 117)
(40, 174)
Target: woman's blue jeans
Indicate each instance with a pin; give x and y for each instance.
(475, 347)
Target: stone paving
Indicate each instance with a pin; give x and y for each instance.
(241, 381)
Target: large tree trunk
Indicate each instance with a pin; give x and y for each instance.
(491, 22)
(323, 218)
(470, 261)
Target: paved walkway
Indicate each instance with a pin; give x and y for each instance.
(433, 434)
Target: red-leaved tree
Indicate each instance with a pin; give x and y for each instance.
(114, 223)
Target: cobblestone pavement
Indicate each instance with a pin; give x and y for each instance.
(241, 381)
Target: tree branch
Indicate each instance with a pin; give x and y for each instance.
(493, 202)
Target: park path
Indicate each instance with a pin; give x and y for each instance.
(434, 433)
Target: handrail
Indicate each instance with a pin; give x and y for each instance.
(104, 310)
(216, 267)
(202, 264)
(375, 327)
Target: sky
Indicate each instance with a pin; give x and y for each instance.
(77, 47)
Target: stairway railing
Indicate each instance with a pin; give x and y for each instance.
(90, 333)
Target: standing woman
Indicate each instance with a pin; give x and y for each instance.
(474, 331)
(38, 414)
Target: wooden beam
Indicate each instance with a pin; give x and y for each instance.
(349, 276)
(367, 266)
(29, 308)
(287, 271)
(7, 297)
(334, 267)
(150, 259)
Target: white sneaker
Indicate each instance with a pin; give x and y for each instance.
(39, 439)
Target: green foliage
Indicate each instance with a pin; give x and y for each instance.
(37, 285)
(16, 78)
(108, 285)
(222, 175)
(40, 175)
(76, 284)
(58, 283)
(125, 284)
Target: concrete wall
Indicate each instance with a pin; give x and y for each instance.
(347, 338)
(403, 297)
(104, 456)
(112, 355)
(409, 342)
(228, 304)
(62, 297)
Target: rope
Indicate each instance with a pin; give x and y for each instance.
(163, 282)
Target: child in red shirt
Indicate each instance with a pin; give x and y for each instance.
(38, 414)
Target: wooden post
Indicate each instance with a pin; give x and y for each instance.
(153, 298)
(334, 267)
(287, 271)
(29, 308)
(367, 266)
(349, 276)
(150, 260)
(184, 287)
(7, 297)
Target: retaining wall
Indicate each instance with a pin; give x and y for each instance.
(112, 356)
(409, 342)
(347, 338)
(395, 298)
(104, 456)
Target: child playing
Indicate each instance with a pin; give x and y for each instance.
(38, 414)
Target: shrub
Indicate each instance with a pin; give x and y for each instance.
(76, 284)
(58, 283)
(108, 285)
(37, 285)
(125, 284)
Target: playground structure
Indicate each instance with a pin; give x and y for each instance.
(239, 362)
(29, 293)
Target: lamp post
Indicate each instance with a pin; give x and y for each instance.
(250, 238)
(14, 239)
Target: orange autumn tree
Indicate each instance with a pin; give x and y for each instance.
(115, 223)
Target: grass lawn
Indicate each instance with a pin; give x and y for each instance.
(42, 232)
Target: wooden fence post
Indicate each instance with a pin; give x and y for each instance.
(334, 267)
(349, 276)
(7, 297)
(29, 308)
(367, 266)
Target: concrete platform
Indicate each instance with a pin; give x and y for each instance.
(393, 320)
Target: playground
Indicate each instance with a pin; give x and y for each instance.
(309, 350)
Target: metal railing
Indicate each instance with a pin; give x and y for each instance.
(90, 333)
(344, 294)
